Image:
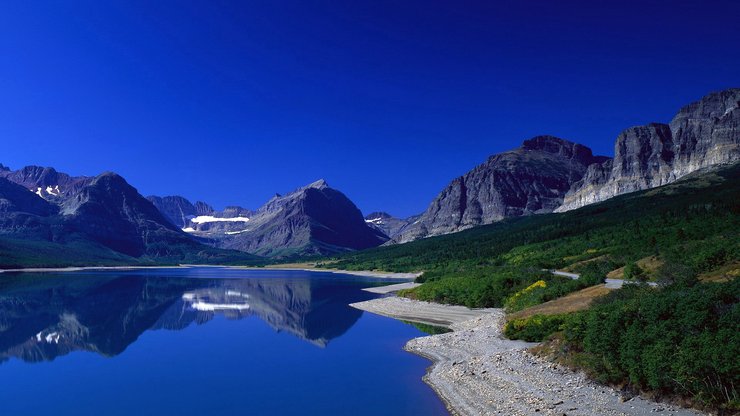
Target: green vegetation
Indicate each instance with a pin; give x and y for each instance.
(681, 340)
(691, 225)
(633, 271)
(535, 328)
(482, 287)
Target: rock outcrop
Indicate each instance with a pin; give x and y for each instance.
(531, 179)
(703, 134)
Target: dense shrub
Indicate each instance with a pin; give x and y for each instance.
(678, 340)
(633, 271)
(534, 328)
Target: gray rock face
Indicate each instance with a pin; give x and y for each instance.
(315, 219)
(388, 224)
(178, 210)
(529, 180)
(201, 208)
(703, 134)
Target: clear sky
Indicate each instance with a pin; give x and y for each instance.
(230, 102)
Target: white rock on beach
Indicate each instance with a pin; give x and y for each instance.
(477, 371)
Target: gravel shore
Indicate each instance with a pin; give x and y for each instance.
(476, 371)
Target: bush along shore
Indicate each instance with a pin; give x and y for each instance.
(682, 341)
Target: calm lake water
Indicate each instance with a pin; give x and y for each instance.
(203, 341)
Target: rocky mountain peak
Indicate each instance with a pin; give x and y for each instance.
(40, 176)
(714, 105)
(562, 148)
(378, 215)
(202, 208)
(702, 134)
(531, 179)
(319, 184)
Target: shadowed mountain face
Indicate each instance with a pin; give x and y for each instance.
(48, 218)
(179, 210)
(43, 316)
(388, 224)
(314, 219)
(531, 179)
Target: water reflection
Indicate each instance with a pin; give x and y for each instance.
(46, 316)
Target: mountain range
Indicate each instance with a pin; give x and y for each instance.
(314, 219)
(549, 174)
(52, 218)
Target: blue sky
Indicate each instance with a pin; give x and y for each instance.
(230, 102)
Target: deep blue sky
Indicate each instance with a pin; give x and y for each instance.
(230, 102)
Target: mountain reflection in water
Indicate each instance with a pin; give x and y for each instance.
(43, 316)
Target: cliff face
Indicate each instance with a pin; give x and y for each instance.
(703, 134)
(531, 179)
(179, 210)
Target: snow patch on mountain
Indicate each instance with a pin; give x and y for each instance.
(202, 219)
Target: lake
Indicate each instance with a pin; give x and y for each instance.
(203, 341)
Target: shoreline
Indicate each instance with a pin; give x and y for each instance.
(380, 275)
(363, 273)
(475, 370)
(85, 268)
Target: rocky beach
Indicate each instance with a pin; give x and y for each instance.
(476, 371)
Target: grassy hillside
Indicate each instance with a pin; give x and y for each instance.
(687, 228)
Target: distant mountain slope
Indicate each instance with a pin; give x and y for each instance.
(15, 198)
(179, 210)
(531, 179)
(87, 220)
(703, 134)
(314, 219)
(46, 182)
(387, 223)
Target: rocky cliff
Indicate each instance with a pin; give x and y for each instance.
(179, 210)
(531, 179)
(703, 134)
